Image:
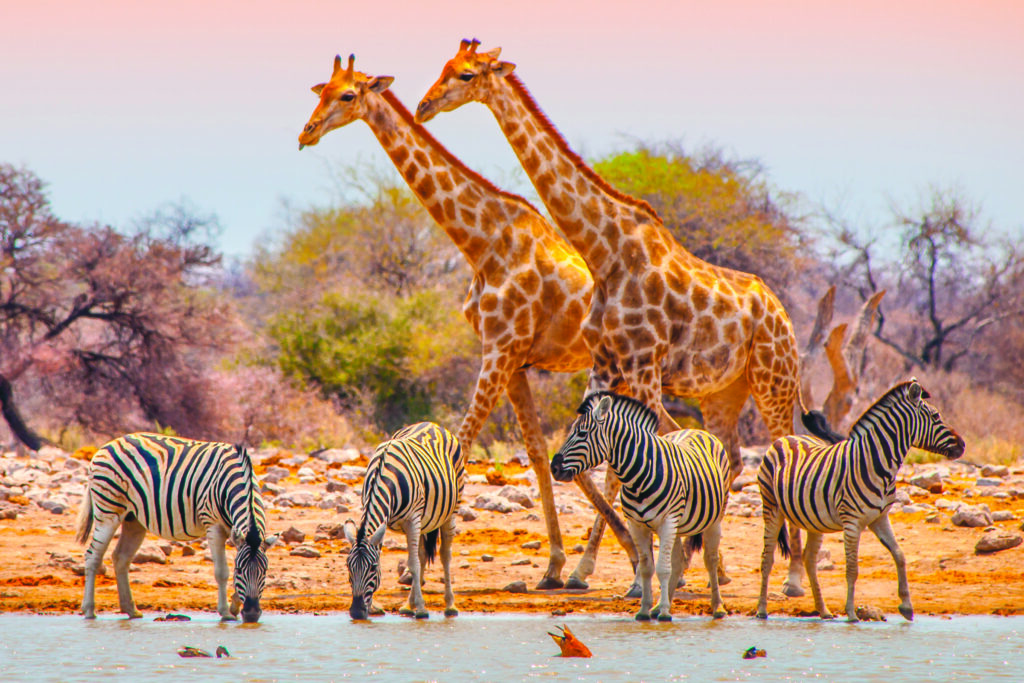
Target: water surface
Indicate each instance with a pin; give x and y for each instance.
(476, 647)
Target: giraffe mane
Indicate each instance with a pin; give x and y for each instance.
(407, 116)
(648, 417)
(545, 123)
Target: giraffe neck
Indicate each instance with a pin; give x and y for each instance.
(583, 205)
(460, 200)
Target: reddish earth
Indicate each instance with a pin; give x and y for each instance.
(946, 576)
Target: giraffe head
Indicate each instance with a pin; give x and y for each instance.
(467, 77)
(342, 100)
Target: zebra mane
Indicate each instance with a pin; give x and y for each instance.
(647, 418)
(886, 399)
(376, 464)
(252, 536)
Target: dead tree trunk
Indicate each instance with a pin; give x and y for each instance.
(9, 410)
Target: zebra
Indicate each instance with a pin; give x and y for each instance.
(824, 488)
(178, 489)
(413, 484)
(674, 486)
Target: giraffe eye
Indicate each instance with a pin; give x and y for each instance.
(467, 76)
(347, 97)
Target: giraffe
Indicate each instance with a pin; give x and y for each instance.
(661, 319)
(530, 289)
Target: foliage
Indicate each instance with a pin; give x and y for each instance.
(722, 211)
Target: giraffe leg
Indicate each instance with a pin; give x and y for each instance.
(522, 402)
(132, 535)
(883, 530)
(103, 532)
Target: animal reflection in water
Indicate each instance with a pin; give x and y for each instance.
(569, 644)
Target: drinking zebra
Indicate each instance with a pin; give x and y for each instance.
(177, 489)
(676, 485)
(824, 488)
(413, 484)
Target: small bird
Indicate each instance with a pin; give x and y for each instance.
(174, 617)
(189, 651)
(569, 644)
(753, 652)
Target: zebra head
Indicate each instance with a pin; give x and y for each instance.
(363, 567)
(251, 558)
(587, 443)
(930, 432)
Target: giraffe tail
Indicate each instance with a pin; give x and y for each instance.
(816, 424)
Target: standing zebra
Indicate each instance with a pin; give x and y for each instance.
(676, 485)
(847, 486)
(413, 484)
(177, 489)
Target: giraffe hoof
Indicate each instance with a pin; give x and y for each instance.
(634, 592)
(405, 579)
(720, 614)
(576, 584)
(643, 616)
(792, 591)
(406, 612)
(423, 615)
(549, 583)
(907, 612)
(724, 579)
(664, 617)
(451, 612)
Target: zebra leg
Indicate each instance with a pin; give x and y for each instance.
(712, 539)
(447, 533)
(666, 536)
(772, 526)
(884, 533)
(415, 607)
(645, 567)
(519, 395)
(681, 556)
(102, 534)
(217, 536)
(851, 540)
(132, 536)
(811, 565)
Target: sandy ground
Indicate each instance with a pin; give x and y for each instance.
(946, 576)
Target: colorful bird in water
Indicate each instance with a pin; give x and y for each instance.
(569, 644)
(189, 651)
(753, 653)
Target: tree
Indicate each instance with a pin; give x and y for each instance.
(954, 279)
(722, 211)
(108, 325)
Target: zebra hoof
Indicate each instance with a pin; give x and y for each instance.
(720, 614)
(576, 584)
(451, 612)
(634, 592)
(224, 617)
(406, 612)
(423, 615)
(643, 616)
(791, 590)
(549, 583)
(907, 612)
(761, 614)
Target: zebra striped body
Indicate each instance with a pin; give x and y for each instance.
(177, 489)
(674, 486)
(413, 484)
(826, 488)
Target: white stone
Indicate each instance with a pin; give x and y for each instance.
(495, 503)
(516, 494)
(972, 516)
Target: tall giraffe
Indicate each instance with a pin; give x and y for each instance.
(661, 319)
(530, 289)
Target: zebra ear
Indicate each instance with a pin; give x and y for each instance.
(603, 405)
(378, 535)
(914, 391)
(350, 530)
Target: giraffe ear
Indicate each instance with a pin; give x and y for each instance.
(380, 83)
(493, 54)
(502, 69)
(318, 87)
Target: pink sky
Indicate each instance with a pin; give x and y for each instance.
(121, 106)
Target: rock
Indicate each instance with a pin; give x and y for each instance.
(946, 504)
(565, 509)
(931, 481)
(825, 562)
(516, 587)
(150, 552)
(531, 545)
(994, 541)
(521, 458)
(988, 481)
(337, 455)
(972, 516)
(274, 474)
(1003, 516)
(995, 470)
(487, 558)
(333, 485)
(333, 500)
(752, 457)
(516, 495)
(578, 548)
(331, 531)
(495, 503)
(466, 513)
(57, 505)
(934, 518)
(305, 551)
(901, 497)
(187, 551)
(909, 509)
(743, 480)
(519, 563)
(869, 613)
(295, 499)
(350, 473)
(476, 479)
(292, 535)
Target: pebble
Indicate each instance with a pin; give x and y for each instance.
(516, 494)
(292, 535)
(972, 516)
(495, 503)
(519, 563)
(994, 470)
(1002, 516)
(150, 552)
(931, 481)
(305, 551)
(987, 481)
(994, 541)
(516, 587)
(487, 558)
(531, 545)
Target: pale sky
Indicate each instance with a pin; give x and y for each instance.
(122, 106)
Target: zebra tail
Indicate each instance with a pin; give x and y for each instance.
(694, 543)
(84, 518)
(817, 425)
(430, 544)
(783, 540)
